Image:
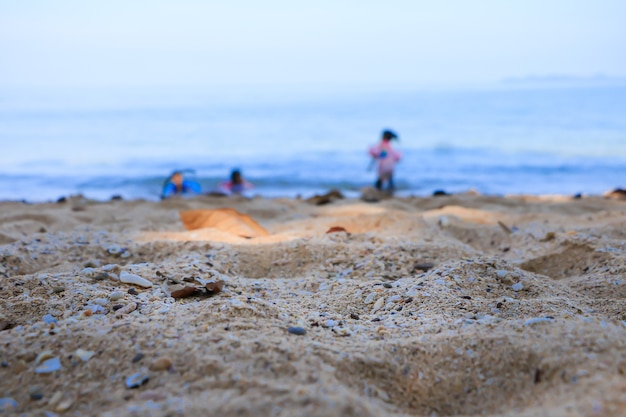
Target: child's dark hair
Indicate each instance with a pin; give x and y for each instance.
(389, 135)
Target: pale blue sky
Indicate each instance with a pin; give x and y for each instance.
(393, 42)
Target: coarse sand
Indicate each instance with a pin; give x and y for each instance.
(441, 306)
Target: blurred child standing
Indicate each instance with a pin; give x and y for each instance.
(386, 159)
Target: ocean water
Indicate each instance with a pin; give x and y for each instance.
(503, 139)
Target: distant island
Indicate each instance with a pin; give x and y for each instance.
(565, 80)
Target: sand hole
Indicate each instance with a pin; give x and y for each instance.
(572, 260)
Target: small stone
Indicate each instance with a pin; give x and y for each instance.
(517, 286)
(137, 380)
(425, 266)
(503, 276)
(132, 291)
(58, 290)
(537, 320)
(139, 356)
(161, 364)
(49, 319)
(4, 364)
(127, 309)
(84, 355)
(35, 393)
(49, 366)
(115, 249)
(65, 404)
(116, 295)
(214, 287)
(379, 304)
(297, 330)
(92, 263)
(117, 307)
(129, 278)
(354, 316)
(8, 404)
(88, 272)
(387, 285)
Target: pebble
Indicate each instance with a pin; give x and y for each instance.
(88, 272)
(137, 380)
(379, 304)
(354, 316)
(115, 249)
(132, 291)
(503, 275)
(128, 308)
(8, 404)
(329, 323)
(129, 278)
(58, 290)
(161, 364)
(517, 286)
(297, 330)
(84, 355)
(48, 318)
(537, 320)
(49, 366)
(387, 285)
(116, 295)
(64, 405)
(93, 263)
(35, 393)
(139, 356)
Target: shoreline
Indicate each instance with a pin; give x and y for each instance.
(454, 305)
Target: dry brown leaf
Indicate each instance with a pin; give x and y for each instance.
(184, 292)
(224, 219)
(336, 229)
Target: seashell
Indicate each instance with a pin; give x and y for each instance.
(84, 355)
(129, 278)
(49, 366)
(43, 356)
(137, 380)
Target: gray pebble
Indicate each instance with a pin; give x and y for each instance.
(58, 290)
(138, 357)
(35, 393)
(8, 404)
(116, 295)
(137, 380)
(48, 318)
(132, 291)
(517, 286)
(297, 330)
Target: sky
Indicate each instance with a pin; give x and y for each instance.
(325, 42)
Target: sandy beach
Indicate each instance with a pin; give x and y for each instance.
(440, 306)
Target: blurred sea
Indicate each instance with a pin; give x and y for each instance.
(510, 138)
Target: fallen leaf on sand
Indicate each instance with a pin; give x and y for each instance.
(336, 229)
(184, 292)
(225, 219)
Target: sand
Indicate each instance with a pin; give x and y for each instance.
(453, 305)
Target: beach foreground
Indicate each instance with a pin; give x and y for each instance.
(452, 305)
